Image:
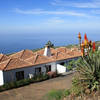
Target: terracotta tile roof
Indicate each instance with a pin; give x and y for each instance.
(3, 64)
(31, 59)
(26, 58)
(61, 49)
(39, 59)
(42, 59)
(14, 64)
(27, 54)
(24, 54)
(3, 57)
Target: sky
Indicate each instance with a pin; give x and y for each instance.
(49, 16)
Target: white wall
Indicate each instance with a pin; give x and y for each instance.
(60, 69)
(11, 75)
(53, 66)
(1, 78)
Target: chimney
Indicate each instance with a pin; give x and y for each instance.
(47, 51)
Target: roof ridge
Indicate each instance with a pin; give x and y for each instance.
(57, 54)
(22, 53)
(2, 57)
(36, 58)
(7, 63)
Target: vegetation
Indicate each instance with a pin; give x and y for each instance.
(77, 88)
(89, 71)
(70, 65)
(87, 79)
(50, 44)
(56, 94)
(67, 92)
(23, 82)
(37, 49)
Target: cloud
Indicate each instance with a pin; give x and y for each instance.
(54, 20)
(77, 4)
(46, 12)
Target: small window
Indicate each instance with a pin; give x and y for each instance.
(37, 71)
(19, 75)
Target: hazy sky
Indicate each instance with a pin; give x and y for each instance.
(49, 16)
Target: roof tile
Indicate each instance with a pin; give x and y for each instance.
(26, 58)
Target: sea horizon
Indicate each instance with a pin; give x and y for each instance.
(10, 43)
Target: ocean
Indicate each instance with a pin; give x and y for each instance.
(10, 43)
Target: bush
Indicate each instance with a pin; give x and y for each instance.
(69, 67)
(77, 88)
(54, 95)
(72, 62)
(23, 82)
(67, 92)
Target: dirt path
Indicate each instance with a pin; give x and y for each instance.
(36, 91)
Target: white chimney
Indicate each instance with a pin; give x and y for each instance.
(47, 51)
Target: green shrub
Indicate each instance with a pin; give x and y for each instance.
(54, 95)
(78, 61)
(23, 82)
(72, 62)
(77, 88)
(19, 83)
(12, 84)
(69, 67)
(67, 92)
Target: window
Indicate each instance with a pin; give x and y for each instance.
(48, 68)
(38, 70)
(62, 63)
(19, 75)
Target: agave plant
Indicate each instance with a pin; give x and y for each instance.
(89, 70)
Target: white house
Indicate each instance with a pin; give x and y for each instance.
(27, 64)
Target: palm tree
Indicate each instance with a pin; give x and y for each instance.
(50, 44)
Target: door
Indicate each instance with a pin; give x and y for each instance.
(48, 68)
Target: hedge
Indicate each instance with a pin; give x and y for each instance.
(16, 84)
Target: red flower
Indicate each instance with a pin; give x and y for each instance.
(82, 43)
(79, 35)
(93, 47)
(85, 39)
(82, 51)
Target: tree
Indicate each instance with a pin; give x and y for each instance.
(50, 44)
